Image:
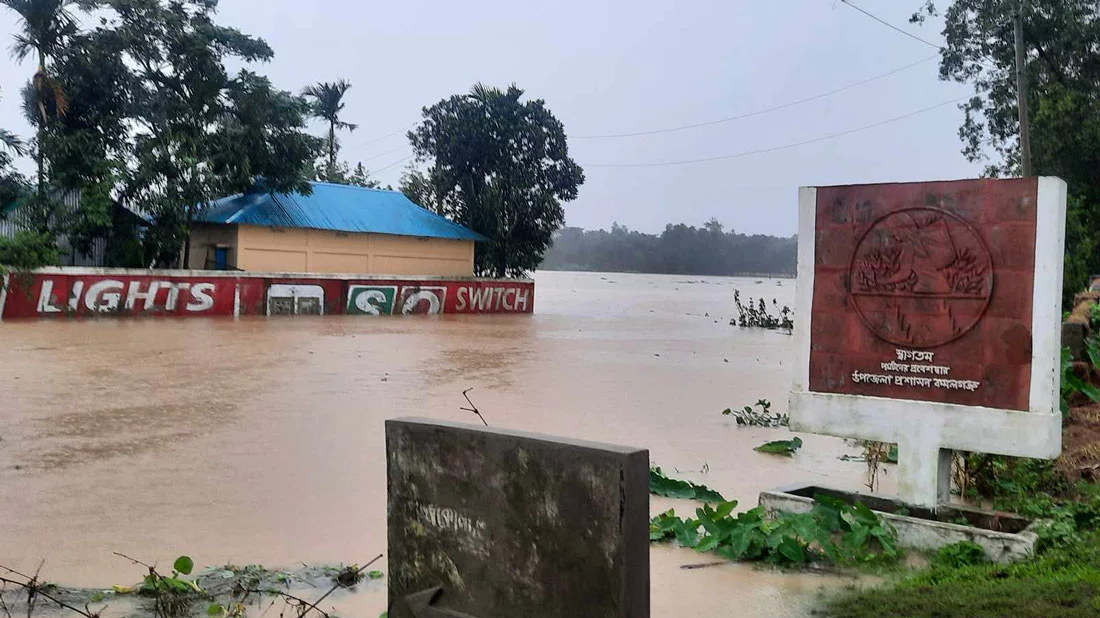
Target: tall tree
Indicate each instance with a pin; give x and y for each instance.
(499, 165)
(1062, 39)
(11, 182)
(327, 103)
(44, 27)
(201, 133)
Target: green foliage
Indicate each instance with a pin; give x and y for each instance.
(1071, 384)
(661, 485)
(373, 575)
(956, 555)
(832, 532)
(679, 249)
(29, 250)
(1063, 582)
(12, 183)
(155, 584)
(756, 315)
(215, 609)
(343, 174)
(326, 102)
(787, 448)
(1061, 40)
(752, 417)
(184, 565)
(142, 108)
(499, 166)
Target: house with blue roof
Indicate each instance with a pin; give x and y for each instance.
(336, 229)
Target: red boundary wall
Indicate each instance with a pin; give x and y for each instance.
(86, 292)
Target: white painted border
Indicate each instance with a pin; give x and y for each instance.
(355, 287)
(930, 425)
(295, 291)
(4, 293)
(804, 285)
(1046, 307)
(414, 290)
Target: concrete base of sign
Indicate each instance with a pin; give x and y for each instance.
(924, 431)
(1004, 537)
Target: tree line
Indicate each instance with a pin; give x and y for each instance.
(679, 249)
(142, 109)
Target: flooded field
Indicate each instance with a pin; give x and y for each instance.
(261, 440)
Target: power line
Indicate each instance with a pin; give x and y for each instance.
(401, 160)
(892, 26)
(379, 156)
(382, 137)
(785, 146)
(757, 112)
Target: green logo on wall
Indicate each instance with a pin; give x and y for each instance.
(371, 299)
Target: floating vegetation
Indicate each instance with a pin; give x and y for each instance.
(661, 485)
(832, 532)
(755, 314)
(759, 415)
(787, 448)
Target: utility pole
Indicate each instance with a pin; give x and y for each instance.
(1021, 91)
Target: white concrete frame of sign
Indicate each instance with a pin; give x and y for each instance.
(927, 432)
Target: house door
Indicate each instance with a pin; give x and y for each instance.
(221, 258)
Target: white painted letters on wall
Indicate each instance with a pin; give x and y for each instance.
(202, 297)
(45, 298)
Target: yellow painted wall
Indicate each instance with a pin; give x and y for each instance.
(204, 238)
(265, 249)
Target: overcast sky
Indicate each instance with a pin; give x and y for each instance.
(609, 67)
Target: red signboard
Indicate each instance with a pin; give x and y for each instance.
(924, 292)
(95, 292)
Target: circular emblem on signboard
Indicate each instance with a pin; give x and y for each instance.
(921, 277)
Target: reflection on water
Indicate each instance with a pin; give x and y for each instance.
(261, 441)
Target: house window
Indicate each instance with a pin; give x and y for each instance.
(221, 258)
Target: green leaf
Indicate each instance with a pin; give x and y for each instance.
(184, 565)
(214, 610)
(725, 508)
(375, 574)
(792, 551)
(781, 447)
(707, 544)
(1091, 391)
(662, 485)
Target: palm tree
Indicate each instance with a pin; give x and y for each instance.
(45, 26)
(327, 101)
(10, 142)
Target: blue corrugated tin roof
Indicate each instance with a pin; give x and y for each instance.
(341, 208)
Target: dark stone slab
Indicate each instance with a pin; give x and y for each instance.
(512, 524)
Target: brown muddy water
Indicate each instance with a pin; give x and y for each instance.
(261, 440)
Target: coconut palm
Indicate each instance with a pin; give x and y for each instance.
(327, 101)
(45, 26)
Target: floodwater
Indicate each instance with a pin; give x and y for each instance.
(261, 440)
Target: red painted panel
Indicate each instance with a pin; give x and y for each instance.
(85, 295)
(397, 296)
(923, 291)
(78, 292)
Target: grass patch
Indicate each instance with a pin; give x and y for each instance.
(1063, 582)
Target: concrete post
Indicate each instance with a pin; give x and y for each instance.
(924, 474)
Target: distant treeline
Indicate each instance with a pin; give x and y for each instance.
(680, 249)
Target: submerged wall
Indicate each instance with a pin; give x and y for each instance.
(85, 292)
